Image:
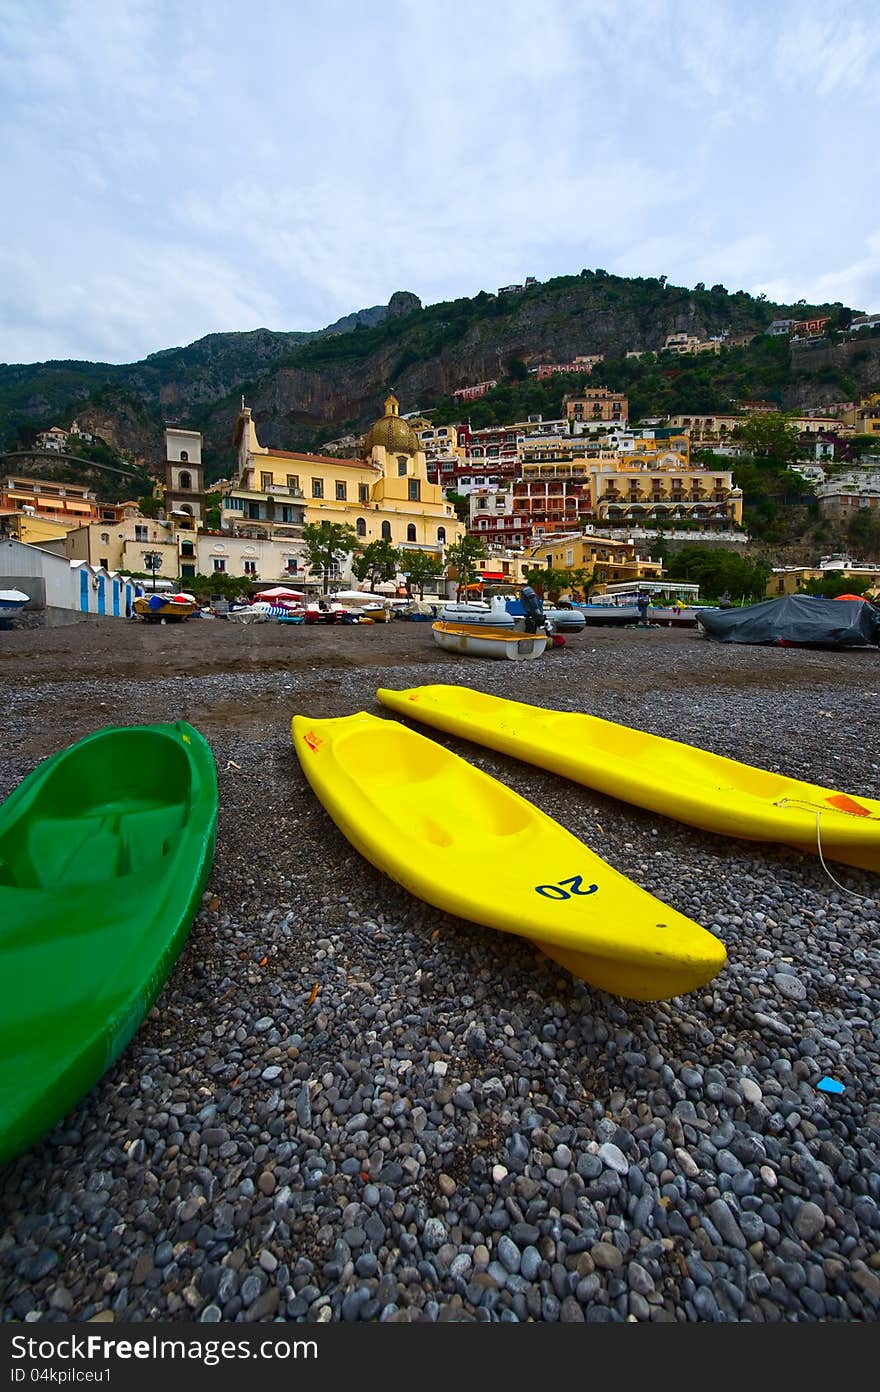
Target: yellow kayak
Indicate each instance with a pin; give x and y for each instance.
(464, 842)
(677, 780)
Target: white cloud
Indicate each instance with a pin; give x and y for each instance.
(181, 169)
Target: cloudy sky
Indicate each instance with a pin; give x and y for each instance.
(178, 167)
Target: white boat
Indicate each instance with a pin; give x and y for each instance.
(479, 640)
(609, 613)
(11, 601)
(477, 611)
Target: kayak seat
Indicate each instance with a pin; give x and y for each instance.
(477, 810)
(85, 850)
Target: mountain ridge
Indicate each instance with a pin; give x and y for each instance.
(309, 386)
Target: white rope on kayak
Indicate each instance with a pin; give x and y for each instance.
(814, 807)
(844, 887)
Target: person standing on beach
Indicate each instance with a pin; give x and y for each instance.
(642, 602)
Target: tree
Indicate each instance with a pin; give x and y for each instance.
(830, 586)
(717, 571)
(462, 557)
(378, 561)
(327, 543)
(770, 438)
(419, 567)
(460, 503)
(552, 583)
(863, 531)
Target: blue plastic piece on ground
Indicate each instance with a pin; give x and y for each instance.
(827, 1084)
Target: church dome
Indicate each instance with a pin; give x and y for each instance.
(395, 434)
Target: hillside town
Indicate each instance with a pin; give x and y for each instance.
(591, 491)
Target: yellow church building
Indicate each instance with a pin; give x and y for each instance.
(384, 495)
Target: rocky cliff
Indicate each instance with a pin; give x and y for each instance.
(305, 388)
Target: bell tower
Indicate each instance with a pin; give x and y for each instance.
(185, 502)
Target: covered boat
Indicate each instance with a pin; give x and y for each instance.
(677, 780)
(467, 844)
(482, 641)
(795, 621)
(104, 852)
(172, 608)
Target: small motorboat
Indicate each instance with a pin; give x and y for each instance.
(608, 615)
(104, 852)
(480, 640)
(12, 602)
(476, 611)
(466, 843)
(155, 608)
(323, 612)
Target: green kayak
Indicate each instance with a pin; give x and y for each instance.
(104, 852)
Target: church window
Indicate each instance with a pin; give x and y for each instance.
(441, 533)
(184, 479)
(414, 490)
(401, 464)
(386, 531)
(361, 527)
(411, 532)
(184, 456)
(105, 537)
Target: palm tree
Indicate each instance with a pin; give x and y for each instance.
(326, 543)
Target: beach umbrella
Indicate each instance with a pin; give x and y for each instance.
(280, 592)
(856, 597)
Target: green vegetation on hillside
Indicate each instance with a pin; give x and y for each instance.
(662, 384)
(717, 572)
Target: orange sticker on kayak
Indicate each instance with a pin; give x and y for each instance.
(847, 804)
(312, 740)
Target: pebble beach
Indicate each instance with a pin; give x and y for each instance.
(346, 1105)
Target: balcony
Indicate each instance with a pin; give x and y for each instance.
(283, 489)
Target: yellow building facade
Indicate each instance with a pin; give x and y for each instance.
(122, 546)
(865, 417)
(649, 482)
(31, 528)
(612, 561)
(384, 495)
